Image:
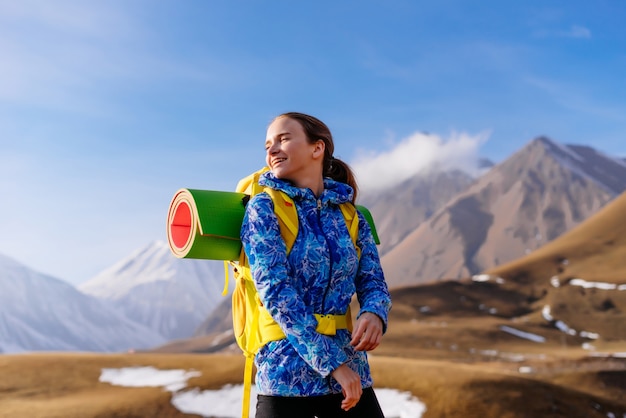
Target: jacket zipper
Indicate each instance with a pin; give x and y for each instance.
(330, 258)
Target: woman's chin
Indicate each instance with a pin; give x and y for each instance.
(279, 174)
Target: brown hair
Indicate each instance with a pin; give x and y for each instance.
(332, 167)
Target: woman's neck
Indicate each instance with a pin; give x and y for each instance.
(316, 185)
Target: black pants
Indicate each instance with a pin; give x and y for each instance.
(327, 406)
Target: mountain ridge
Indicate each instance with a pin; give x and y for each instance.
(454, 237)
(151, 286)
(532, 197)
(40, 312)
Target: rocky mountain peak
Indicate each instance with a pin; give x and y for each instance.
(153, 287)
(534, 196)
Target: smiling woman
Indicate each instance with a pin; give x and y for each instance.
(311, 371)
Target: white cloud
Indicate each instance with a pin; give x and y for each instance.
(417, 154)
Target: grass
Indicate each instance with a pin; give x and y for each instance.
(65, 385)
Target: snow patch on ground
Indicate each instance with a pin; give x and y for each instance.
(226, 402)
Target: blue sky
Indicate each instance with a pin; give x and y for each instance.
(108, 107)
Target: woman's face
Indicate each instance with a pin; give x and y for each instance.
(289, 154)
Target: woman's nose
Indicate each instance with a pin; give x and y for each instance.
(273, 148)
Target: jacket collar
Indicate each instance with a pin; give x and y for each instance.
(334, 192)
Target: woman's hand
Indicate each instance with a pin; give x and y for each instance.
(350, 383)
(368, 332)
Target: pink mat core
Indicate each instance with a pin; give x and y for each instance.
(180, 228)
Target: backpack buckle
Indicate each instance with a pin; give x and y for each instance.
(326, 324)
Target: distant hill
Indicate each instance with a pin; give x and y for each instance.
(569, 293)
(169, 295)
(581, 274)
(537, 194)
(594, 250)
(400, 210)
(41, 313)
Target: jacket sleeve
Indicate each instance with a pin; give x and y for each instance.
(371, 287)
(278, 290)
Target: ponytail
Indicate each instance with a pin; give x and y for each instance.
(338, 170)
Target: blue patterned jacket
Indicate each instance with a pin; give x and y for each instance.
(320, 275)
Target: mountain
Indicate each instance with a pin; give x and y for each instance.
(580, 276)
(400, 210)
(39, 312)
(214, 334)
(169, 295)
(553, 316)
(219, 320)
(566, 299)
(540, 192)
(594, 250)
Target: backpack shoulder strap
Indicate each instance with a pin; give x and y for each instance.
(250, 184)
(283, 205)
(286, 211)
(287, 216)
(351, 217)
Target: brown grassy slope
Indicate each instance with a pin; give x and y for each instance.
(594, 250)
(223, 342)
(66, 385)
(462, 321)
(460, 324)
(459, 390)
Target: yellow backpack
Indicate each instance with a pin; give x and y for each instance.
(252, 324)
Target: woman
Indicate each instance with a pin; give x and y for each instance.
(310, 374)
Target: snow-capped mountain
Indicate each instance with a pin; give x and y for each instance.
(42, 313)
(169, 295)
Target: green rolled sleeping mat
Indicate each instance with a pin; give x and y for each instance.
(205, 224)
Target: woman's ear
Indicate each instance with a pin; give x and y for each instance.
(318, 149)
